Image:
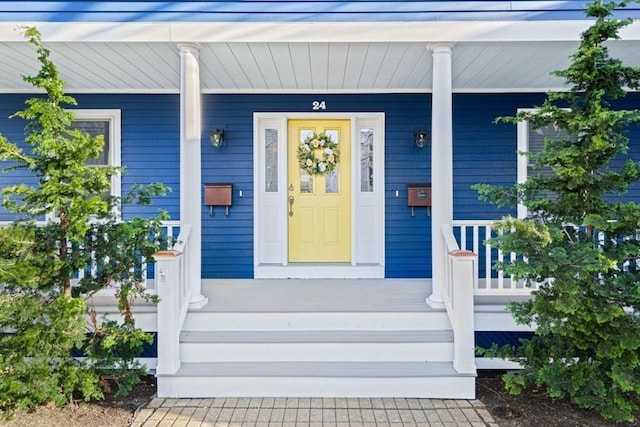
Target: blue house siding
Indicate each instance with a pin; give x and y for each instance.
(228, 241)
(292, 11)
(482, 152)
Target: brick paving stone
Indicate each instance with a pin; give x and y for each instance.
(180, 422)
(377, 403)
(169, 403)
(471, 414)
(353, 403)
(218, 402)
(343, 425)
(341, 403)
(458, 415)
(406, 416)
(355, 416)
(262, 424)
(156, 403)
(238, 415)
(438, 403)
(243, 402)
(328, 402)
(316, 402)
(389, 403)
(194, 423)
(432, 416)
(380, 415)
(426, 403)
(314, 424)
(365, 403)
(199, 413)
(328, 415)
(251, 415)
(401, 403)
(419, 416)
(393, 416)
(290, 415)
(264, 415)
(205, 403)
(255, 402)
(268, 402)
(143, 414)
(342, 415)
(187, 411)
(181, 403)
(304, 402)
(213, 414)
(315, 415)
(368, 416)
(165, 423)
(291, 402)
(445, 415)
(303, 415)
(280, 402)
(277, 415)
(476, 403)
(230, 402)
(225, 415)
(413, 403)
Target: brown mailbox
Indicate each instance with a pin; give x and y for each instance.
(218, 195)
(419, 195)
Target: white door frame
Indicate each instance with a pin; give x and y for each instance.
(270, 208)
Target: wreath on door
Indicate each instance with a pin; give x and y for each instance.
(318, 154)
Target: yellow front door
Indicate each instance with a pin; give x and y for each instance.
(319, 204)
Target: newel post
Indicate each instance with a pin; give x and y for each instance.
(464, 277)
(167, 285)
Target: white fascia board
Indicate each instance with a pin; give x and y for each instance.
(211, 32)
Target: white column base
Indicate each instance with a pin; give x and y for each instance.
(434, 302)
(198, 301)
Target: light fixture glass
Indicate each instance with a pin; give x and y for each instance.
(420, 136)
(216, 137)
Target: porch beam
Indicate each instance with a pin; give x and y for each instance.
(441, 164)
(190, 165)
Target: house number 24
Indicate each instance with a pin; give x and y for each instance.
(318, 105)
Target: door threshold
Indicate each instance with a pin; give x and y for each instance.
(319, 271)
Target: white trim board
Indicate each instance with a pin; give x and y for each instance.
(270, 221)
(226, 32)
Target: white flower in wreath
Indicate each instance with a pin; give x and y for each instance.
(318, 154)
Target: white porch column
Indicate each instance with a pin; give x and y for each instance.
(190, 165)
(441, 164)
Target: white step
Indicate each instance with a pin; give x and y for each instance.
(313, 379)
(321, 321)
(329, 346)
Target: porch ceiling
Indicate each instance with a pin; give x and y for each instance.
(401, 66)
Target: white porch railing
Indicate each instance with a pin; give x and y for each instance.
(169, 228)
(460, 277)
(175, 294)
(473, 235)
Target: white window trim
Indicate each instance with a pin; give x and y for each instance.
(115, 147)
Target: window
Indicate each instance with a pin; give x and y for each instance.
(107, 124)
(532, 140)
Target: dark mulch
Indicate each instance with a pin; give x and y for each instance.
(534, 408)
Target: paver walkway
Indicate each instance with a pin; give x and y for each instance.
(313, 412)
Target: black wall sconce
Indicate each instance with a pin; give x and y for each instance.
(216, 137)
(420, 136)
